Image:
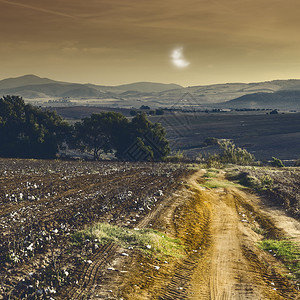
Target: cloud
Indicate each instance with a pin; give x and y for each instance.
(48, 11)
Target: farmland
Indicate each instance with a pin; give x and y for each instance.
(257, 132)
(118, 230)
(44, 202)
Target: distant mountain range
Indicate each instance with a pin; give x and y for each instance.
(281, 94)
(31, 86)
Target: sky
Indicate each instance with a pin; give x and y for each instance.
(112, 42)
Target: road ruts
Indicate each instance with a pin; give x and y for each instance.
(92, 270)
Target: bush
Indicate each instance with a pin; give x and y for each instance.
(235, 155)
(276, 162)
(159, 112)
(210, 141)
(266, 180)
(175, 157)
(214, 161)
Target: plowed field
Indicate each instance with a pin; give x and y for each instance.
(218, 224)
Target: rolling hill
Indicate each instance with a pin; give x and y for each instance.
(280, 94)
(31, 86)
(278, 100)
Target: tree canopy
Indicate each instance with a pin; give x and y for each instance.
(101, 133)
(27, 131)
(30, 132)
(109, 132)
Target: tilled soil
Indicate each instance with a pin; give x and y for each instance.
(217, 226)
(44, 202)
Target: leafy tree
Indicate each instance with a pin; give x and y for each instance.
(133, 112)
(101, 133)
(110, 132)
(29, 132)
(145, 107)
(152, 135)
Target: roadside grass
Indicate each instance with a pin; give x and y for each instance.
(213, 183)
(258, 230)
(149, 241)
(287, 252)
(211, 173)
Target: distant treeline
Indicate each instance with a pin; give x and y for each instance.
(29, 132)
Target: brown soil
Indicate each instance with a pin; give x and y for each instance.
(44, 202)
(222, 258)
(217, 227)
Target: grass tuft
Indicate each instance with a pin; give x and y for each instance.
(146, 240)
(286, 251)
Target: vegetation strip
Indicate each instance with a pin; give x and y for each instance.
(287, 252)
(146, 240)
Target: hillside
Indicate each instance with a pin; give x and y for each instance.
(52, 90)
(31, 86)
(281, 94)
(218, 93)
(26, 80)
(278, 100)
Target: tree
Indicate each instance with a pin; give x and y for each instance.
(111, 132)
(133, 112)
(159, 112)
(145, 107)
(101, 133)
(29, 132)
(151, 135)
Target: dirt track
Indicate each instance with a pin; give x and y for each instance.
(227, 272)
(223, 260)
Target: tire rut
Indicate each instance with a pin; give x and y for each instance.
(91, 272)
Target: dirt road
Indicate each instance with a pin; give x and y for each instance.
(227, 273)
(218, 227)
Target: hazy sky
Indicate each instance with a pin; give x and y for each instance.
(120, 41)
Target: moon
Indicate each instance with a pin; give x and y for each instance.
(178, 59)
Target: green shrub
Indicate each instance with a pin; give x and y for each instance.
(235, 155)
(214, 161)
(249, 181)
(266, 180)
(176, 157)
(276, 162)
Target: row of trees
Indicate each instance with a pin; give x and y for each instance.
(111, 132)
(29, 132)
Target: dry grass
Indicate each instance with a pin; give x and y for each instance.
(148, 241)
